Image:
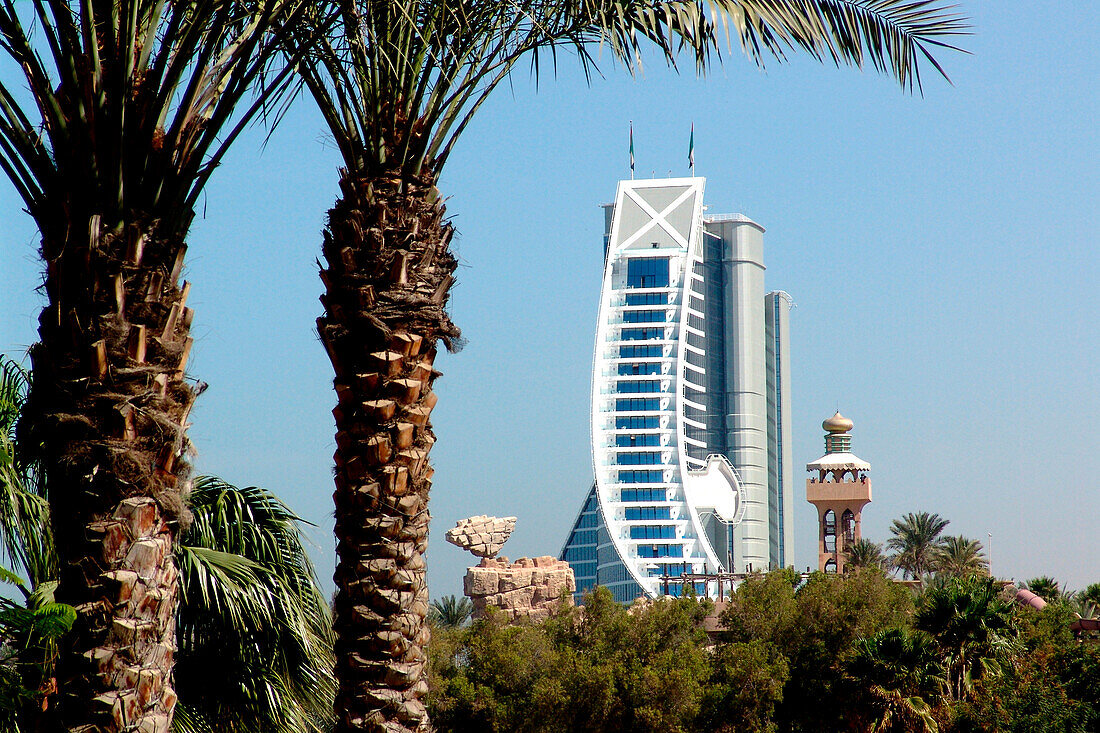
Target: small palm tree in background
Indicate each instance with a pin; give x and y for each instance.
(915, 542)
(960, 557)
(895, 673)
(971, 627)
(121, 112)
(253, 628)
(1046, 587)
(1087, 602)
(29, 633)
(864, 553)
(398, 82)
(451, 612)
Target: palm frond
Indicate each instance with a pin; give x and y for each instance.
(130, 103)
(25, 534)
(398, 82)
(450, 612)
(253, 627)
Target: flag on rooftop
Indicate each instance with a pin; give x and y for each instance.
(691, 149)
(632, 149)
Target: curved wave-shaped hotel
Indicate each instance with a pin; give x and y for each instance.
(690, 401)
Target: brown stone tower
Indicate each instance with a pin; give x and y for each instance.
(839, 486)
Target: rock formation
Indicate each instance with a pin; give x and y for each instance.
(528, 588)
(483, 536)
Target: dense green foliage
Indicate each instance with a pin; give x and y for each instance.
(857, 652)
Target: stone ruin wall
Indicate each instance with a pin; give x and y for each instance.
(528, 588)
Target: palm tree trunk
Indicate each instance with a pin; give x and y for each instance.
(106, 417)
(388, 276)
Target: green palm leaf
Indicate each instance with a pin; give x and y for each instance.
(398, 81)
(136, 118)
(253, 627)
(24, 511)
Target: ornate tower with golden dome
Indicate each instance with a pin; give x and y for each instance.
(839, 486)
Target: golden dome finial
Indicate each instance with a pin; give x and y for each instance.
(837, 424)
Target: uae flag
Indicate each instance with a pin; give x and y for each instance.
(631, 149)
(691, 148)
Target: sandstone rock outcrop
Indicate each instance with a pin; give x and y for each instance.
(482, 535)
(528, 588)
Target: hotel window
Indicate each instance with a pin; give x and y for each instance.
(638, 459)
(648, 512)
(642, 334)
(640, 352)
(640, 369)
(647, 272)
(653, 532)
(638, 404)
(573, 554)
(642, 477)
(644, 317)
(660, 551)
(642, 495)
(647, 298)
(637, 423)
(648, 385)
(635, 441)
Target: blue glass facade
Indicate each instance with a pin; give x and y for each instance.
(650, 385)
(647, 298)
(653, 532)
(634, 441)
(644, 368)
(642, 334)
(647, 272)
(638, 404)
(641, 477)
(637, 423)
(644, 317)
(640, 352)
(654, 495)
(580, 549)
(648, 512)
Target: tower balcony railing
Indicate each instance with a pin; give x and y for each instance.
(669, 339)
(671, 316)
(619, 298)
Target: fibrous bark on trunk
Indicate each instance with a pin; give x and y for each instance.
(107, 418)
(387, 279)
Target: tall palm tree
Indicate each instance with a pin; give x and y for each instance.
(915, 542)
(960, 557)
(865, 554)
(123, 110)
(397, 82)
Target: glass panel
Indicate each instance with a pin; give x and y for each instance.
(644, 317)
(639, 386)
(647, 272)
(647, 298)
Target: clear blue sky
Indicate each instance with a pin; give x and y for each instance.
(941, 250)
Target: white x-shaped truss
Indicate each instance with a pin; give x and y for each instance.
(658, 219)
